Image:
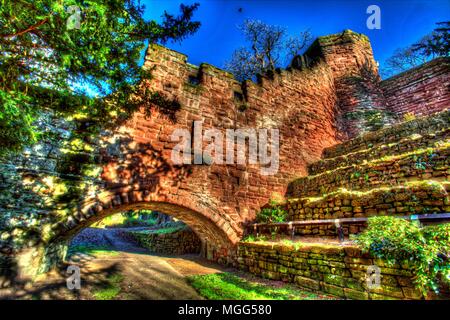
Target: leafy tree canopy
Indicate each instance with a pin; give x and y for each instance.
(435, 44)
(268, 47)
(54, 52)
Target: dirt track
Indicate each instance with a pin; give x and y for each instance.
(145, 275)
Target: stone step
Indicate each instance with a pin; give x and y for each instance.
(392, 134)
(420, 197)
(389, 171)
(405, 145)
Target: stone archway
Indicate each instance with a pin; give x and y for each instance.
(218, 238)
(216, 234)
(135, 166)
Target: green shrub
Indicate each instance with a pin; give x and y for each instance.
(252, 238)
(426, 249)
(270, 215)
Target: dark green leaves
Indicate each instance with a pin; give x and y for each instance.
(427, 249)
(47, 66)
(437, 43)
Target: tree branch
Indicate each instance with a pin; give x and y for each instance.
(31, 28)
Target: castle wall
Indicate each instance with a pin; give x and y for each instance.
(313, 108)
(301, 104)
(422, 91)
(356, 79)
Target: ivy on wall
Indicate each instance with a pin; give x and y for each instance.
(427, 249)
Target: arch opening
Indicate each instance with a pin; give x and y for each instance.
(144, 232)
(217, 241)
(205, 228)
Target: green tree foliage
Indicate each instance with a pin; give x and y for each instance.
(435, 44)
(268, 47)
(49, 63)
(396, 240)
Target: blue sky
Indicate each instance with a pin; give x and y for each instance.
(402, 22)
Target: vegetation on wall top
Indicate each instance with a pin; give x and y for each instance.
(274, 213)
(427, 249)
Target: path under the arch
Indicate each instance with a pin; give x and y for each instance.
(144, 275)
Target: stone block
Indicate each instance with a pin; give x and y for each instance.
(355, 294)
(307, 283)
(332, 289)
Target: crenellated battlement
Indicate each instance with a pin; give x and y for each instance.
(321, 48)
(345, 59)
(363, 101)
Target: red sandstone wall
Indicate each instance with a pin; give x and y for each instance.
(307, 106)
(355, 74)
(423, 90)
(301, 104)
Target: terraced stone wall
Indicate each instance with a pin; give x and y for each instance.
(412, 151)
(410, 198)
(398, 171)
(408, 144)
(393, 171)
(337, 270)
(394, 134)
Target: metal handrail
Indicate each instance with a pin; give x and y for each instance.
(420, 217)
(340, 221)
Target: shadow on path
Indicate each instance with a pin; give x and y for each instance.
(144, 275)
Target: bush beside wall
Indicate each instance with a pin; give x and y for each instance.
(334, 269)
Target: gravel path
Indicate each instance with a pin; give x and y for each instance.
(146, 276)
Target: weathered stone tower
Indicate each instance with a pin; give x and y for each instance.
(356, 79)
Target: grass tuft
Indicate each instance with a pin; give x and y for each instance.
(91, 250)
(111, 288)
(227, 286)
